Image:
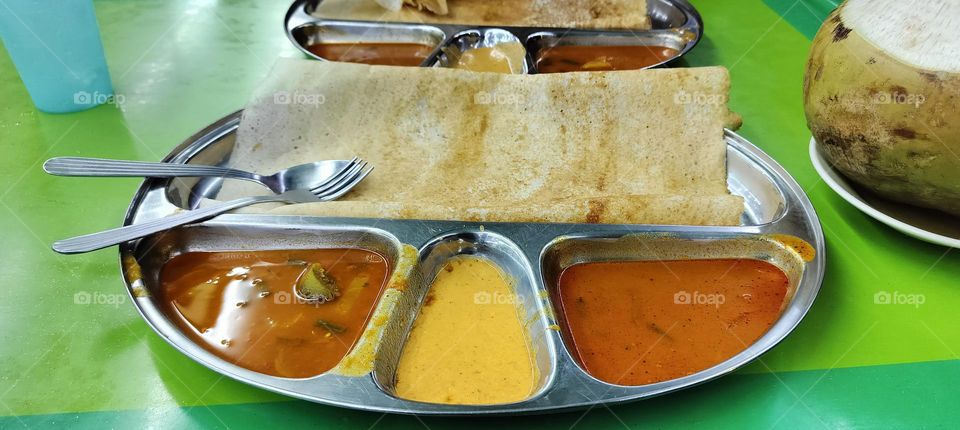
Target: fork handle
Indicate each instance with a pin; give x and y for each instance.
(82, 166)
(103, 239)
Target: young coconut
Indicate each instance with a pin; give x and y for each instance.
(881, 94)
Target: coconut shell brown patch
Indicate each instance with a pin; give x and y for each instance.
(841, 31)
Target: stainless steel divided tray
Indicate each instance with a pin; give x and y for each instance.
(532, 254)
(674, 24)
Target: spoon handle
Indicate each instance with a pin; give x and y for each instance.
(81, 166)
(103, 239)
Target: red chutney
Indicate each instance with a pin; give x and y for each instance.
(577, 58)
(641, 322)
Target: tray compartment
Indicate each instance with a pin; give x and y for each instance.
(504, 254)
(478, 38)
(539, 44)
(567, 251)
(321, 32)
(152, 253)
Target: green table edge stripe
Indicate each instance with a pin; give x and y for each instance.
(838, 398)
(804, 15)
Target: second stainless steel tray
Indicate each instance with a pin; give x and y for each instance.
(675, 24)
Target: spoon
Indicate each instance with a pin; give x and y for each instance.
(338, 184)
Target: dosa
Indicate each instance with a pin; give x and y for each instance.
(598, 14)
(609, 147)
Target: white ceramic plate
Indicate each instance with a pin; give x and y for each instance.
(924, 224)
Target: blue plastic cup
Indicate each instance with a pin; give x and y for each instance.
(56, 48)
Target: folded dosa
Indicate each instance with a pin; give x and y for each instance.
(600, 14)
(684, 210)
(616, 147)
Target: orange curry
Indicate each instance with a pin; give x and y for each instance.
(641, 322)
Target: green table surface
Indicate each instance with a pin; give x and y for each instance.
(181, 64)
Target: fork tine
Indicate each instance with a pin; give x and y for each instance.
(342, 179)
(338, 175)
(342, 188)
(345, 180)
(347, 187)
(346, 172)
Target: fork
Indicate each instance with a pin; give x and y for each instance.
(297, 177)
(331, 189)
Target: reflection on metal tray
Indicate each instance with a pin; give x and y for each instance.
(675, 24)
(532, 254)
